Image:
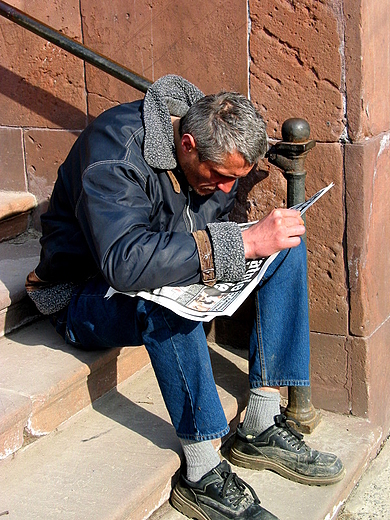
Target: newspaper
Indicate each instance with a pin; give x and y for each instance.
(202, 303)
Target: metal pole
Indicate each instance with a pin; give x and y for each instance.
(290, 155)
(75, 48)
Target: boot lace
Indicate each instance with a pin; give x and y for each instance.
(290, 435)
(234, 489)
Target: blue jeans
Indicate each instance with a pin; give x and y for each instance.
(278, 350)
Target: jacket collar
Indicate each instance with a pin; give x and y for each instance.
(170, 95)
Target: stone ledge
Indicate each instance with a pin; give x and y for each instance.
(14, 412)
(15, 202)
(57, 380)
(355, 440)
(115, 460)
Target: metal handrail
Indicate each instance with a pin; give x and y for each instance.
(78, 49)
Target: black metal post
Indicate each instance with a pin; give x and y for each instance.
(290, 155)
(76, 48)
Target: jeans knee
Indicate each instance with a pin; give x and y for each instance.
(297, 256)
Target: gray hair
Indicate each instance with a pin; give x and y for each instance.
(225, 123)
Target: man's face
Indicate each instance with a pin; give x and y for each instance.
(207, 177)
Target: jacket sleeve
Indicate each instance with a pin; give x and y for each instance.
(227, 244)
(114, 213)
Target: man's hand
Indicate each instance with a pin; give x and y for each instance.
(281, 229)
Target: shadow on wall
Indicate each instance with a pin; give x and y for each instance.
(242, 206)
(41, 102)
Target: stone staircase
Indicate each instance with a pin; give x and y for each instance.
(85, 435)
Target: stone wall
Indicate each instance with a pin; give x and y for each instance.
(47, 96)
(326, 61)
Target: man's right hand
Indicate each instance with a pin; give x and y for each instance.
(281, 229)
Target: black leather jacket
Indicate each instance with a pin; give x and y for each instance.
(110, 212)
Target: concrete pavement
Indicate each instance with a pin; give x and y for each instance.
(370, 500)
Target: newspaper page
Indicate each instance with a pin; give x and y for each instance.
(202, 303)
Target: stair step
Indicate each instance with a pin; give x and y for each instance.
(15, 207)
(114, 460)
(44, 381)
(17, 258)
(14, 202)
(355, 440)
(119, 458)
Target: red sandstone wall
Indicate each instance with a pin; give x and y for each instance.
(328, 61)
(296, 71)
(47, 96)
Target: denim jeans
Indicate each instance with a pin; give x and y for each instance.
(278, 350)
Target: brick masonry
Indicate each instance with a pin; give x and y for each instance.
(326, 61)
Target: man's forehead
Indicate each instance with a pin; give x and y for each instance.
(234, 165)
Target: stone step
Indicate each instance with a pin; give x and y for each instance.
(44, 382)
(18, 257)
(15, 208)
(116, 459)
(355, 440)
(119, 458)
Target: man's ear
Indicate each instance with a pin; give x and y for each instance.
(188, 143)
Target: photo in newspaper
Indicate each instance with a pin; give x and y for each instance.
(202, 303)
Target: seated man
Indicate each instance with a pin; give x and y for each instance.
(142, 201)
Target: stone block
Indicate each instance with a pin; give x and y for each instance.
(329, 373)
(366, 51)
(14, 412)
(69, 395)
(325, 221)
(368, 223)
(204, 42)
(15, 208)
(295, 68)
(265, 189)
(375, 68)
(259, 192)
(379, 381)
(14, 226)
(45, 152)
(353, 51)
(12, 174)
(370, 104)
(17, 314)
(15, 202)
(17, 259)
(358, 376)
(41, 84)
(60, 380)
(370, 384)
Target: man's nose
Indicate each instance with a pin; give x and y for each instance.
(226, 186)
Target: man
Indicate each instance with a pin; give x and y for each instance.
(142, 201)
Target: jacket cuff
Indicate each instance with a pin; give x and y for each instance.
(228, 249)
(205, 257)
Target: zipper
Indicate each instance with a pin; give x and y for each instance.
(188, 210)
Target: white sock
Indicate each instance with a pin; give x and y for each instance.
(262, 407)
(201, 458)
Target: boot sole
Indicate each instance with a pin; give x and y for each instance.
(259, 463)
(186, 507)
